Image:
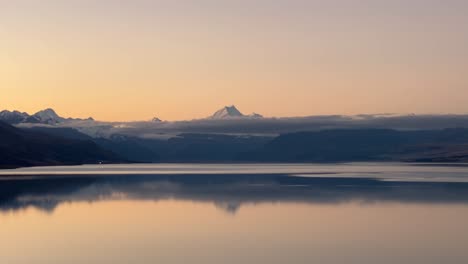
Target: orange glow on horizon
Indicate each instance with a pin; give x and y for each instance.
(146, 59)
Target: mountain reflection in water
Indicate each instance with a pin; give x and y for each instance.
(228, 192)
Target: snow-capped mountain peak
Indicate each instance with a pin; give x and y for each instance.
(13, 117)
(227, 112)
(48, 116)
(47, 113)
(231, 112)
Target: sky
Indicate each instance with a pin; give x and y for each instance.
(121, 60)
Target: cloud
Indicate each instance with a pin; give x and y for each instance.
(266, 126)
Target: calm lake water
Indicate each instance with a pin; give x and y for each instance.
(256, 213)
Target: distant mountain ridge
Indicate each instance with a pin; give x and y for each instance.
(348, 145)
(337, 145)
(47, 116)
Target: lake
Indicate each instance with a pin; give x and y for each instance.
(235, 213)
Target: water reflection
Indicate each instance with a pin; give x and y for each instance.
(228, 192)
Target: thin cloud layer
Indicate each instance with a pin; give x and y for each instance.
(265, 126)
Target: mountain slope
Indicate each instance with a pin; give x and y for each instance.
(345, 145)
(183, 148)
(340, 145)
(32, 148)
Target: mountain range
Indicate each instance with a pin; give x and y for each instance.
(45, 138)
(47, 116)
(50, 117)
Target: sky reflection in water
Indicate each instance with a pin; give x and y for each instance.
(234, 218)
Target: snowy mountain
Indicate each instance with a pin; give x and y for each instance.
(255, 115)
(47, 116)
(231, 112)
(14, 117)
(227, 112)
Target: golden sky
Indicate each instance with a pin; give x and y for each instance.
(132, 60)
